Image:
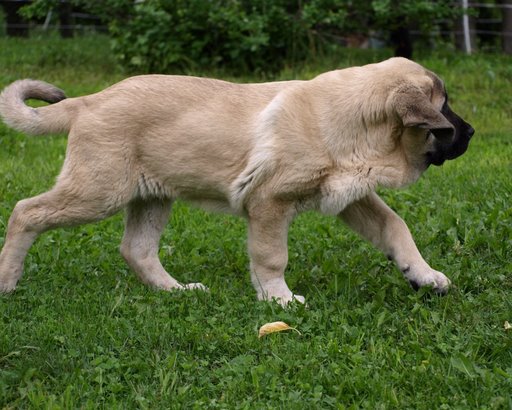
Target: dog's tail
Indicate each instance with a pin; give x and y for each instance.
(48, 119)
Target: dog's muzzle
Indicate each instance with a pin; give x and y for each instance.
(454, 149)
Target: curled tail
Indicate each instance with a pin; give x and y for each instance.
(35, 121)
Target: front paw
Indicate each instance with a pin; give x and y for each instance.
(426, 276)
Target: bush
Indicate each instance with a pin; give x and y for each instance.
(242, 35)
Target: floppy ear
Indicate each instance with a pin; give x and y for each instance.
(415, 109)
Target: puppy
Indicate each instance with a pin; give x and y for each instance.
(263, 151)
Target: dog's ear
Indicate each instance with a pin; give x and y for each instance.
(413, 106)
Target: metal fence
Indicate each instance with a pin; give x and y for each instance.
(486, 26)
(489, 21)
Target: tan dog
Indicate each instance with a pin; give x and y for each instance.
(264, 151)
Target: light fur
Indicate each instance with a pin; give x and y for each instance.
(263, 151)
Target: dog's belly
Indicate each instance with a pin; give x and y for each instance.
(213, 205)
(192, 189)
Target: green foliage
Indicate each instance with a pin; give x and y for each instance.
(422, 13)
(82, 332)
(250, 35)
(160, 35)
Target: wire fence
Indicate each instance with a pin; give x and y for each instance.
(494, 21)
(487, 24)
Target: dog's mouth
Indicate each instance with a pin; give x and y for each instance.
(434, 158)
(442, 152)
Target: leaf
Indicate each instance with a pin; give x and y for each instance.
(507, 325)
(274, 327)
(464, 365)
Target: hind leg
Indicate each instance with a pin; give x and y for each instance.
(64, 205)
(145, 221)
(16, 245)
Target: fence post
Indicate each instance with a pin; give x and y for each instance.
(465, 27)
(507, 27)
(16, 25)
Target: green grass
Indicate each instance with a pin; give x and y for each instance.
(81, 332)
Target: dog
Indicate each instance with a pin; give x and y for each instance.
(264, 151)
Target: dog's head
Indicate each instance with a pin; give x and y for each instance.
(421, 102)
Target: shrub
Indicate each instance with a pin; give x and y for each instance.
(242, 35)
(246, 35)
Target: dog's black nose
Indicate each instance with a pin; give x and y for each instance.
(471, 132)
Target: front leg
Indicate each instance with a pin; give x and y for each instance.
(268, 251)
(375, 221)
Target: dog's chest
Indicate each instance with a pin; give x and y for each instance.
(341, 189)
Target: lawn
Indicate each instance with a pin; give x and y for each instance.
(81, 331)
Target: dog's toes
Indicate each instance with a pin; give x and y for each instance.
(438, 281)
(299, 299)
(441, 284)
(441, 291)
(287, 301)
(195, 286)
(443, 288)
(7, 286)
